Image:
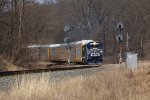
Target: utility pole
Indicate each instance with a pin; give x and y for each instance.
(120, 39)
(127, 44)
(67, 40)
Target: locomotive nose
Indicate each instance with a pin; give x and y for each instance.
(95, 53)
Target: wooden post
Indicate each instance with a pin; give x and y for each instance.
(120, 55)
(127, 44)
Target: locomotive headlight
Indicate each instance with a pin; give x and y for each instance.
(101, 51)
(94, 43)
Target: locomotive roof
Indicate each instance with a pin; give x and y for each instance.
(83, 42)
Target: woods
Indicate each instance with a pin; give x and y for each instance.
(24, 22)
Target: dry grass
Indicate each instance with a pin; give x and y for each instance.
(120, 84)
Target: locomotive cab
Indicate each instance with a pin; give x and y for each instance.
(93, 53)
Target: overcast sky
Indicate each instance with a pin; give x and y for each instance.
(41, 1)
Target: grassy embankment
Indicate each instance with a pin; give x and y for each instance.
(119, 84)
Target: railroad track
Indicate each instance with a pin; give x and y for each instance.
(50, 69)
(9, 79)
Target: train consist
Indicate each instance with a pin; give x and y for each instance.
(85, 52)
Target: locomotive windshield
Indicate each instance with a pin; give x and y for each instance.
(92, 45)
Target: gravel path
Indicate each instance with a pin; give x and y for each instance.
(8, 81)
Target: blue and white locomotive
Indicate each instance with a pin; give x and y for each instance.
(85, 52)
(93, 53)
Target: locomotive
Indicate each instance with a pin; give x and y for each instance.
(85, 52)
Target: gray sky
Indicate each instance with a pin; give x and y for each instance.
(41, 1)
